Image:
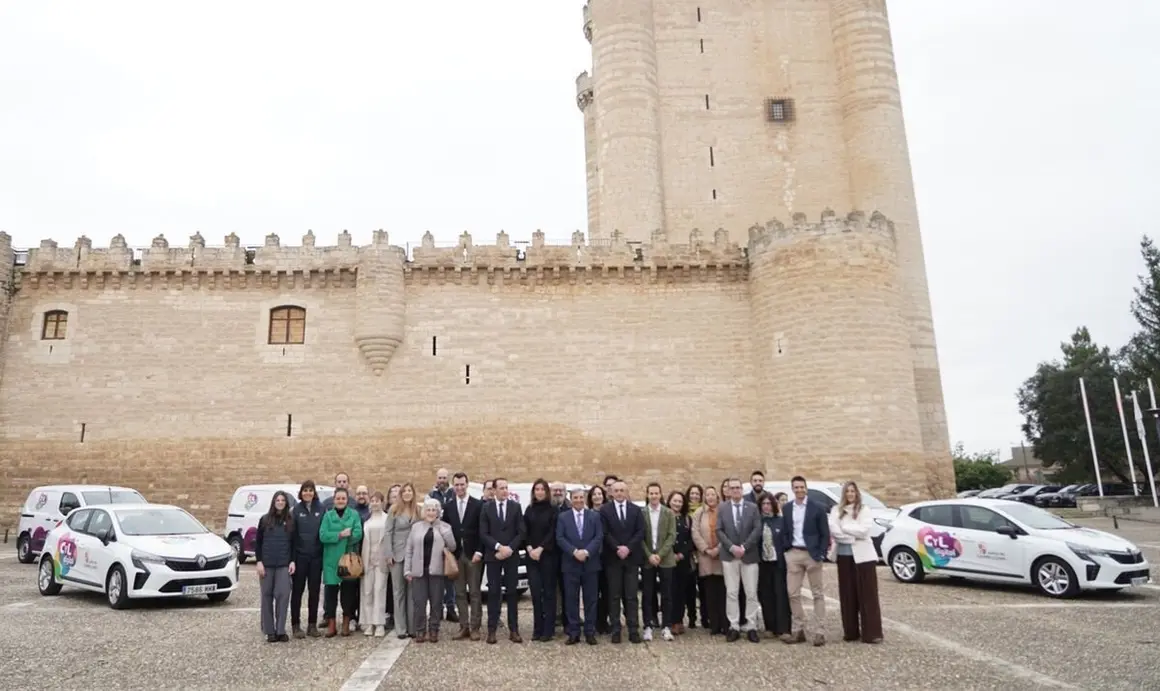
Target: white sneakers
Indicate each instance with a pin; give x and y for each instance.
(666, 634)
(376, 631)
(369, 631)
(648, 633)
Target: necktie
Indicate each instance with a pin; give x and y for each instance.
(580, 524)
(501, 518)
(461, 509)
(621, 512)
(736, 515)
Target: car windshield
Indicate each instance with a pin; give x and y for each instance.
(158, 522)
(113, 496)
(1034, 517)
(872, 501)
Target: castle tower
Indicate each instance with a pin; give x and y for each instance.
(835, 381)
(380, 301)
(7, 267)
(626, 103)
(762, 110)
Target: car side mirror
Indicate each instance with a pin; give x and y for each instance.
(66, 510)
(106, 537)
(1008, 530)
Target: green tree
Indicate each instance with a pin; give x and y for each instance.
(1052, 409)
(977, 470)
(1142, 354)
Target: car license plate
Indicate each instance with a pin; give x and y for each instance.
(1140, 581)
(198, 589)
(523, 583)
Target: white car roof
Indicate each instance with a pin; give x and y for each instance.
(116, 508)
(81, 488)
(274, 487)
(966, 501)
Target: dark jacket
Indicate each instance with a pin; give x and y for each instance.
(629, 532)
(466, 533)
(509, 532)
(307, 519)
(540, 526)
(684, 542)
(274, 543)
(815, 529)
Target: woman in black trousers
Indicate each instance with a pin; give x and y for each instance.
(595, 501)
(695, 593)
(684, 573)
(771, 584)
(543, 567)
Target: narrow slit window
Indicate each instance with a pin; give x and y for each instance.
(434, 345)
(714, 194)
(289, 424)
(702, 45)
(706, 101)
(712, 161)
(84, 427)
(467, 374)
(698, 14)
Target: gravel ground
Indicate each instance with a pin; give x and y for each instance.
(938, 634)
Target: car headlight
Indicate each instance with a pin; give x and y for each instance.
(140, 559)
(1087, 553)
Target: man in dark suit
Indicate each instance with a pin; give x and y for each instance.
(462, 513)
(501, 532)
(579, 534)
(623, 524)
(805, 540)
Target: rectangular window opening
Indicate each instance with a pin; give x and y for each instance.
(434, 345)
(467, 374)
(84, 427)
(706, 101)
(702, 45)
(714, 194)
(779, 110)
(712, 161)
(698, 14)
(289, 424)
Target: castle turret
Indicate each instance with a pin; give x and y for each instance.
(7, 267)
(591, 164)
(835, 378)
(880, 178)
(380, 301)
(627, 118)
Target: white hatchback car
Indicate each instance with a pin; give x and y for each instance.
(997, 541)
(137, 551)
(46, 507)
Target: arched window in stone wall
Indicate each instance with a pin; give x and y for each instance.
(55, 325)
(287, 325)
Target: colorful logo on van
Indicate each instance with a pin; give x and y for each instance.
(41, 501)
(250, 540)
(937, 549)
(251, 501)
(66, 554)
(38, 537)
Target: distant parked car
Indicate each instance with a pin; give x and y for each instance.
(131, 551)
(46, 507)
(1003, 491)
(995, 541)
(1028, 495)
(968, 493)
(1051, 500)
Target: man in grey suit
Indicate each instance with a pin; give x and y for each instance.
(739, 536)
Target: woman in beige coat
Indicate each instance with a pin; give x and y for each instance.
(375, 571)
(708, 561)
(400, 517)
(423, 569)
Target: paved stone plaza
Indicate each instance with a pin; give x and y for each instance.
(939, 634)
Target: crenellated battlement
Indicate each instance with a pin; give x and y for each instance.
(774, 234)
(273, 257)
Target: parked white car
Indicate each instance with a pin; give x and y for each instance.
(828, 494)
(46, 507)
(132, 551)
(248, 505)
(997, 541)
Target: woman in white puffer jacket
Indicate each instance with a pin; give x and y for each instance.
(850, 526)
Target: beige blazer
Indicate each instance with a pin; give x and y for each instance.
(706, 565)
(847, 530)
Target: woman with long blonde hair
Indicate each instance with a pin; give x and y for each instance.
(400, 517)
(850, 526)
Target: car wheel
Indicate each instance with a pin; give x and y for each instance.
(1054, 577)
(46, 578)
(219, 597)
(905, 565)
(117, 588)
(238, 548)
(24, 549)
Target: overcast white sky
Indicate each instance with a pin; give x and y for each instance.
(1033, 133)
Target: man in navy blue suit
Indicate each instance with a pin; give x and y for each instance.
(579, 535)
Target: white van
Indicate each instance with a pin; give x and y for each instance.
(47, 506)
(247, 507)
(828, 494)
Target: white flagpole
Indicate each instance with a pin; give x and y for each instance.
(1124, 428)
(1144, 443)
(1151, 478)
(1091, 436)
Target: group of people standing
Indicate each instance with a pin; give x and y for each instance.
(739, 557)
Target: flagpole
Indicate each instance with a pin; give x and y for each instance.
(1124, 428)
(1144, 443)
(1091, 436)
(1151, 478)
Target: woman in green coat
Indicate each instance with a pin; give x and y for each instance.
(340, 531)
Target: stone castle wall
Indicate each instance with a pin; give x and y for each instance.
(646, 360)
